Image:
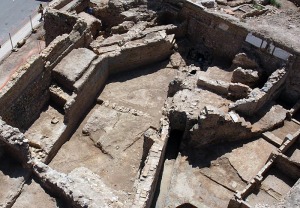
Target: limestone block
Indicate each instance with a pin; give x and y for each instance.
(122, 28)
(93, 23)
(71, 68)
(274, 117)
(176, 60)
(245, 76)
(242, 60)
(217, 86)
(238, 90)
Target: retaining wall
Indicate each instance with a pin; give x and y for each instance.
(25, 94)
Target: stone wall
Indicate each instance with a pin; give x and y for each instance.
(292, 90)
(260, 97)
(15, 143)
(215, 126)
(57, 23)
(28, 91)
(153, 48)
(147, 181)
(218, 34)
(26, 94)
(227, 36)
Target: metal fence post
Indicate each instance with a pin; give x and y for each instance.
(31, 23)
(12, 46)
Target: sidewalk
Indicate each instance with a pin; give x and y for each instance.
(11, 61)
(6, 48)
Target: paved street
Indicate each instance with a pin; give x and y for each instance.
(14, 14)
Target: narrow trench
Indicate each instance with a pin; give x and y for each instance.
(297, 115)
(165, 175)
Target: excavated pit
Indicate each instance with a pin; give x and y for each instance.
(153, 104)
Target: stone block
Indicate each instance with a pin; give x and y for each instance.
(238, 90)
(242, 60)
(245, 76)
(217, 86)
(71, 68)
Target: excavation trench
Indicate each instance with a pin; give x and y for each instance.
(87, 102)
(163, 184)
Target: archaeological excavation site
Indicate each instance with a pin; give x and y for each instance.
(154, 104)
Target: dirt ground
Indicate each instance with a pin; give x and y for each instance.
(215, 173)
(112, 133)
(109, 140)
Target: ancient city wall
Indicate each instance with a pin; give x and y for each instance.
(223, 37)
(138, 53)
(15, 143)
(153, 47)
(292, 90)
(26, 94)
(57, 23)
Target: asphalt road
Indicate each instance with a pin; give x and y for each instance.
(14, 14)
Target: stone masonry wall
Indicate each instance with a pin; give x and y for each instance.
(292, 90)
(26, 94)
(260, 97)
(57, 23)
(28, 91)
(227, 36)
(224, 37)
(15, 143)
(141, 52)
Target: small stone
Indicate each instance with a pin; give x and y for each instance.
(106, 103)
(54, 120)
(234, 184)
